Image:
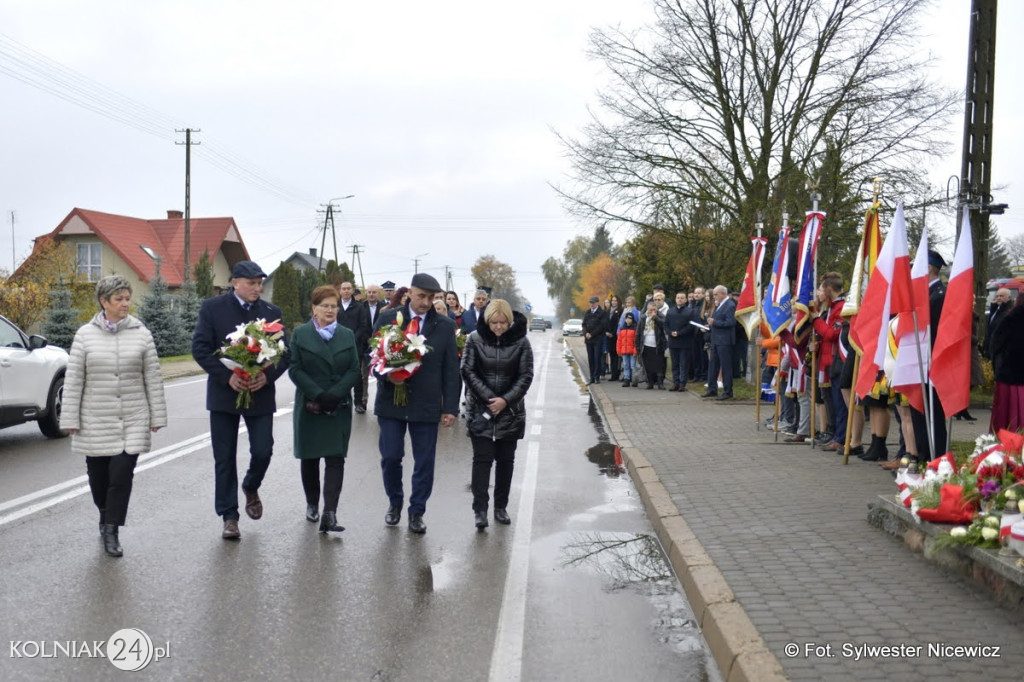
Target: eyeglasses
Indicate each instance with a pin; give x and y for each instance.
(326, 306)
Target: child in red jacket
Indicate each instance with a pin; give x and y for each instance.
(625, 346)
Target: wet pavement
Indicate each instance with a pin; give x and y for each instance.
(577, 588)
(786, 577)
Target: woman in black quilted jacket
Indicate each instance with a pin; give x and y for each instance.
(497, 368)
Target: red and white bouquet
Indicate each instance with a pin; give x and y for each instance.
(251, 349)
(399, 353)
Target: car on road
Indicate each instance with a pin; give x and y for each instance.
(572, 327)
(31, 380)
(547, 323)
(538, 323)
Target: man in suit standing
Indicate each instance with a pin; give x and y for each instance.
(374, 305)
(723, 335)
(679, 335)
(595, 321)
(1001, 305)
(218, 317)
(475, 315)
(355, 316)
(433, 396)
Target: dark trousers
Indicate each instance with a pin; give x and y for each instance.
(679, 357)
(924, 451)
(362, 387)
(224, 438)
(739, 357)
(503, 454)
(392, 451)
(334, 476)
(721, 359)
(699, 357)
(654, 365)
(840, 410)
(594, 359)
(614, 360)
(110, 480)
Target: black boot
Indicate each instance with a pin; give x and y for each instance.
(110, 542)
(877, 452)
(103, 521)
(481, 519)
(329, 522)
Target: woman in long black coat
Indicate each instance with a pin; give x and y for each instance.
(497, 368)
(650, 345)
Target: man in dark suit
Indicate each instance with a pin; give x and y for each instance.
(723, 335)
(355, 316)
(433, 396)
(218, 317)
(1001, 305)
(475, 315)
(936, 297)
(595, 321)
(679, 335)
(374, 305)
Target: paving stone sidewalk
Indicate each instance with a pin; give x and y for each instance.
(785, 525)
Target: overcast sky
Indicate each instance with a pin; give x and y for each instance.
(438, 117)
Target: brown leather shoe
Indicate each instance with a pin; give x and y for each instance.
(891, 465)
(231, 530)
(796, 439)
(831, 446)
(253, 505)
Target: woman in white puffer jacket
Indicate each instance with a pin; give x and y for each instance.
(113, 402)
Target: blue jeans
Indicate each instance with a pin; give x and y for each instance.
(224, 439)
(392, 451)
(628, 364)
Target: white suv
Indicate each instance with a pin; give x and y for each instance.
(31, 380)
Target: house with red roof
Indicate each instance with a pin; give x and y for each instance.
(107, 244)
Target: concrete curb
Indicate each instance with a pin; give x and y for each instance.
(738, 648)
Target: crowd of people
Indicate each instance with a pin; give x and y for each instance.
(114, 398)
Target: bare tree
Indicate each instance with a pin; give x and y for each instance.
(724, 108)
(1015, 250)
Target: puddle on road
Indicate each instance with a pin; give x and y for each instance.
(607, 458)
(635, 562)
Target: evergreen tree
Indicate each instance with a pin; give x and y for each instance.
(309, 279)
(163, 323)
(202, 274)
(336, 274)
(188, 309)
(286, 295)
(61, 319)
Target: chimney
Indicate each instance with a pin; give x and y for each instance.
(312, 252)
(174, 215)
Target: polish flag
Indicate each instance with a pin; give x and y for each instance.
(888, 292)
(914, 336)
(951, 357)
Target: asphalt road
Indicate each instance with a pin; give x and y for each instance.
(576, 588)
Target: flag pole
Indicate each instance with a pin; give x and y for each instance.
(812, 185)
(759, 225)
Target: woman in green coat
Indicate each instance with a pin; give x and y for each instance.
(324, 368)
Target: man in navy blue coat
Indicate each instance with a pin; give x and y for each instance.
(475, 315)
(433, 396)
(679, 334)
(723, 335)
(218, 317)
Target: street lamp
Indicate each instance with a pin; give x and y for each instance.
(156, 258)
(416, 262)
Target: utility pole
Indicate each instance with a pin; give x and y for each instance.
(976, 167)
(329, 219)
(449, 284)
(13, 255)
(188, 201)
(416, 262)
(356, 250)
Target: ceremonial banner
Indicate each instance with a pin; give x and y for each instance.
(867, 256)
(747, 313)
(951, 358)
(891, 277)
(777, 306)
(914, 335)
(805, 284)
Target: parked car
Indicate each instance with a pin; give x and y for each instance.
(538, 323)
(547, 323)
(572, 327)
(31, 380)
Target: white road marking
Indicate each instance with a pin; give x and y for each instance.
(507, 656)
(79, 485)
(535, 430)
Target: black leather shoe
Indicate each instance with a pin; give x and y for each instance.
(724, 396)
(501, 516)
(312, 513)
(708, 394)
(111, 544)
(481, 519)
(416, 524)
(393, 515)
(329, 522)
(360, 409)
